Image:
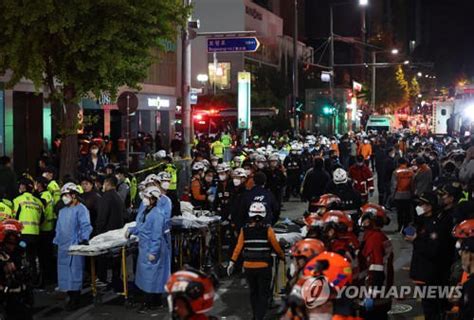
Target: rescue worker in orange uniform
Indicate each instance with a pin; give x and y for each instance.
(256, 242)
(376, 260)
(402, 192)
(362, 179)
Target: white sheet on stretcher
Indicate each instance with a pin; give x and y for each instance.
(290, 237)
(105, 241)
(189, 221)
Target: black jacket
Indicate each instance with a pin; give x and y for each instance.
(351, 199)
(260, 194)
(8, 182)
(429, 250)
(111, 214)
(91, 201)
(314, 183)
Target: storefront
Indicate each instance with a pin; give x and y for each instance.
(155, 112)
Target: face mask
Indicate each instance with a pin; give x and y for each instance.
(146, 202)
(419, 210)
(119, 178)
(237, 182)
(66, 199)
(165, 185)
(260, 165)
(214, 163)
(293, 152)
(222, 177)
(45, 175)
(94, 151)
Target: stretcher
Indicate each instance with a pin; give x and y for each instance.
(195, 237)
(110, 243)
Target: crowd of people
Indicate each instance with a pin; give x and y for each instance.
(428, 182)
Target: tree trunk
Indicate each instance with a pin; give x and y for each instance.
(69, 143)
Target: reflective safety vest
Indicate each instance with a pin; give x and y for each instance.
(133, 188)
(28, 210)
(49, 215)
(217, 148)
(171, 169)
(226, 140)
(257, 247)
(55, 190)
(6, 211)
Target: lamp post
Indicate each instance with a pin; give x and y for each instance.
(295, 67)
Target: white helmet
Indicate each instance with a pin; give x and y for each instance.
(70, 187)
(260, 158)
(257, 209)
(339, 176)
(237, 159)
(160, 154)
(239, 173)
(163, 176)
(152, 192)
(222, 167)
(274, 157)
(198, 166)
(150, 178)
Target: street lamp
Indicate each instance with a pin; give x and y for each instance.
(394, 51)
(419, 74)
(203, 78)
(406, 62)
(363, 3)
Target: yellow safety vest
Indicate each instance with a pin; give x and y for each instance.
(49, 215)
(5, 211)
(30, 210)
(218, 149)
(171, 169)
(55, 190)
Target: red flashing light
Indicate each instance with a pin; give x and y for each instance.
(198, 116)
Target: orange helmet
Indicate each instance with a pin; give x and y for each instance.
(464, 229)
(374, 211)
(312, 219)
(196, 288)
(339, 219)
(333, 266)
(328, 201)
(307, 248)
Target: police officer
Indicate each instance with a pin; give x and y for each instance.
(29, 210)
(53, 186)
(256, 242)
(276, 178)
(6, 209)
(224, 190)
(46, 250)
(293, 167)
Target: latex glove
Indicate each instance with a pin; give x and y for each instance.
(151, 257)
(230, 268)
(211, 198)
(127, 234)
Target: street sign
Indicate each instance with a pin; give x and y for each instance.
(127, 102)
(241, 44)
(243, 100)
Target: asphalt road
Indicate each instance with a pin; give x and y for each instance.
(232, 299)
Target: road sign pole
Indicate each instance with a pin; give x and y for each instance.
(186, 87)
(243, 112)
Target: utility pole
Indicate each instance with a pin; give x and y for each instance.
(374, 79)
(186, 87)
(331, 59)
(295, 68)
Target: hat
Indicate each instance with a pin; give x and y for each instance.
(453, 189)
(429, 198)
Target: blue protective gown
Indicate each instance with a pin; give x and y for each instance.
(152, 231)
(72, 227)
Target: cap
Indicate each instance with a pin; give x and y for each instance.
(429, 198)
(453, 189)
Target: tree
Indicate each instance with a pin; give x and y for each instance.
(76, 48)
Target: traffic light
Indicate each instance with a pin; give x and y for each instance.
(328, 110)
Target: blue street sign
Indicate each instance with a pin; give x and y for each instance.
(244, 44)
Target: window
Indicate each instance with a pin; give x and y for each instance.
(219, 75)
(443, 112)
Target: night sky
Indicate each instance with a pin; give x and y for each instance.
(449, 34)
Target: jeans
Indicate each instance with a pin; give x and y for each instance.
(259, 281)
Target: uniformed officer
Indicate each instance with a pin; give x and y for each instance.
(53, 186)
